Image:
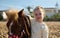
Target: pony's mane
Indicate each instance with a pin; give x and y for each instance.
(12, 13)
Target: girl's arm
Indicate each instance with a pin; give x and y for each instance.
(45, 32)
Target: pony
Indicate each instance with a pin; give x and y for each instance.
(18, 24)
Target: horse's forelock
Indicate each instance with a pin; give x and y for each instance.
(13, 14)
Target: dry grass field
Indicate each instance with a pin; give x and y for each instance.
(54, 29)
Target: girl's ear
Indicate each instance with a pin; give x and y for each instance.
(20, 13)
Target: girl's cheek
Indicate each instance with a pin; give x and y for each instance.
(39, 17)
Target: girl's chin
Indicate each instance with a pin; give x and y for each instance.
(38, 19)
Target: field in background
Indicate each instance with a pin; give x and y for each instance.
(54, 29)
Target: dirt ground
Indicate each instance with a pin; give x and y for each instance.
(54, 29)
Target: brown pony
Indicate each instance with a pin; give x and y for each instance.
(18, 24)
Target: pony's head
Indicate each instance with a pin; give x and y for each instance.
(20, 20)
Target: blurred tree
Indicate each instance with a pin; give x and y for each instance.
(1, 18)
(46, 18)
(56, 17)
(29, 9)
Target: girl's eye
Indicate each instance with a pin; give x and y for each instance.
(39, 13)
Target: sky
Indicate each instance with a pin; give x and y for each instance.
(20, 4)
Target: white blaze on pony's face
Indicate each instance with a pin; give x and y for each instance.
(39, 13)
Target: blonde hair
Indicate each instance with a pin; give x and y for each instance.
(39, 8)
(12, 14)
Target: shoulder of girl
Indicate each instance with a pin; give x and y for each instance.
(44, 26)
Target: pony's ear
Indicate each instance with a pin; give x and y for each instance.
(20, 13)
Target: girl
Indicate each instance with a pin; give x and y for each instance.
(39, 28)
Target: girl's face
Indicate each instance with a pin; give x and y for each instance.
(38, 14)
